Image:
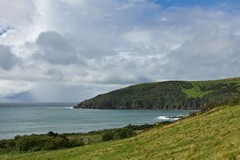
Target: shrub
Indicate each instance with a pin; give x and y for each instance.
(123, 133)
(26, 143)
(118, 134)
(3, 143)
(10, 144)
(51, 141)
(107, 136)
(52, 134)
(56, 143)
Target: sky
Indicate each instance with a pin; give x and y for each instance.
(71, 50)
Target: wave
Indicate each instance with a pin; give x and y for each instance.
(68, 107)
(71, 107)
(168, 118)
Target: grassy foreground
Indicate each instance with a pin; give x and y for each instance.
(210, 135)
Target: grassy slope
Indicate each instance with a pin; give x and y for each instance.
(211, 135)
(197, 92)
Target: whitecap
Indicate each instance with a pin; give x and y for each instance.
(165, 118)
(69, 107)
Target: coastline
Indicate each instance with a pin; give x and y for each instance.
(40, 119)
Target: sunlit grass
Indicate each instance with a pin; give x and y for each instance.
(196, 91)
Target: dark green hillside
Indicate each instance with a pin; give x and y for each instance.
(168, 95)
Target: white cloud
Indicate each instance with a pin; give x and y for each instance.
(13, 12)
(12, 87)
(138, 37)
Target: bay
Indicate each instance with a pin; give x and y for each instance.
(40, 118)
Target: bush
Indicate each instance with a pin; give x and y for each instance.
(52, 134)
(51, 141)
(3, 143)
(118, 134)
(107, 136)
(56, 143)
(11, 144)
(123, 133)
(27, 143)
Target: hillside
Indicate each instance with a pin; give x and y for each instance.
(167, 95)
(210, 135)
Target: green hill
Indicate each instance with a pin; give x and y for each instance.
(210, 135)
(167, 95)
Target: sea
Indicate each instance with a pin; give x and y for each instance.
(40, 118)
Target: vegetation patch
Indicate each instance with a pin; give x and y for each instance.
(54, 141)
(196, 90)
(118, 134)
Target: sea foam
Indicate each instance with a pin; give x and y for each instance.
(168, 118)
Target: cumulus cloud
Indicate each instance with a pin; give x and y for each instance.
(80, 48)
(55, 49)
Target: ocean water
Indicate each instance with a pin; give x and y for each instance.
(40, 118)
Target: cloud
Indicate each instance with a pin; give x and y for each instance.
(79, 48)
(19, 97)
(4, 29)
(55, 49)
(212, 58)
(7, 58)
(13, 87)
(13, 12)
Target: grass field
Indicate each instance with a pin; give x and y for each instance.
(210, 135)
(196, 91)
